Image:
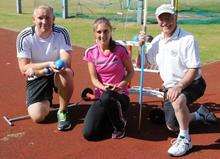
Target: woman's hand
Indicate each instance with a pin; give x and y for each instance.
(112, 87)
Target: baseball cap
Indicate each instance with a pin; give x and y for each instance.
(164, 8)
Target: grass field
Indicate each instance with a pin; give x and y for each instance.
(208, 36)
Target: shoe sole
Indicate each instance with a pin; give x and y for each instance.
(187, 152)
(123, 135)
(119, 137)
(205, 119)
(67, 128)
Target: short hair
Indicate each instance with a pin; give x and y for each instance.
(44, 7)
(149, 38)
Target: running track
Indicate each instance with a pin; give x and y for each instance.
(27, 140)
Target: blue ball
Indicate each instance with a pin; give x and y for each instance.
(59, 64)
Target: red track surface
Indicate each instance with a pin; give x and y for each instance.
(42, 141)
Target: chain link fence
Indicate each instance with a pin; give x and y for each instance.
(190, 12)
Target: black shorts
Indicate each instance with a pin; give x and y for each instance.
(40, 89)
(194, 91)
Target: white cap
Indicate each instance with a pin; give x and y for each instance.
(164, 8)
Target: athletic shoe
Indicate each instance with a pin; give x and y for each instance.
(180, 146)
(63, 121)
(206, 115)
(119, 134)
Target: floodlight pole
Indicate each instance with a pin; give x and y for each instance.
(18, 6)
(65, 8)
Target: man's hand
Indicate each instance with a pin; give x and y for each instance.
(141, 38)
(174, 92)
(29, 72)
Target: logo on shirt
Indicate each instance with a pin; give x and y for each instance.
(173, 53)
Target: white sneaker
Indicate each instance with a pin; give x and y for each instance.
(206, 115)
(179, 147)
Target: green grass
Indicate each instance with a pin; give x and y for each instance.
(208, 36)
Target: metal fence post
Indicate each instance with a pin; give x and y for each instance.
(65, 8)
(140, 5)
(18, 6)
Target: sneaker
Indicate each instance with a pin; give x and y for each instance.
(63, 121)
(119, 134)
(180, 146)
(206, 115)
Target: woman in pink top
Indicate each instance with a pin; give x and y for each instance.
(110, 69)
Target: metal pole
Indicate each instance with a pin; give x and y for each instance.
(11, 121)
(145, 17)
(65, 8)
(87, 94)
(175, 4)
(143, 48)
(128, 4)
(18, 6)
(177, 7)
(141, 85)
(140, 11)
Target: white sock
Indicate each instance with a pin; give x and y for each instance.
(184, 133)
(197, 116)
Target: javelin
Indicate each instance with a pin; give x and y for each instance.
(144, 28)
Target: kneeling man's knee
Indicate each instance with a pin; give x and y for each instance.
(39, 110)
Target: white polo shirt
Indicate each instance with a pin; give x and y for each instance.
(31, 46)
(174, 56)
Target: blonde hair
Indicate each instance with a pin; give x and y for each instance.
(44, 7)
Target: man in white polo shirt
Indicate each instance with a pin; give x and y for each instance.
(176, 53)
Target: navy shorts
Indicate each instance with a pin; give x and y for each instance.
(40, 89)
(194, 91)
